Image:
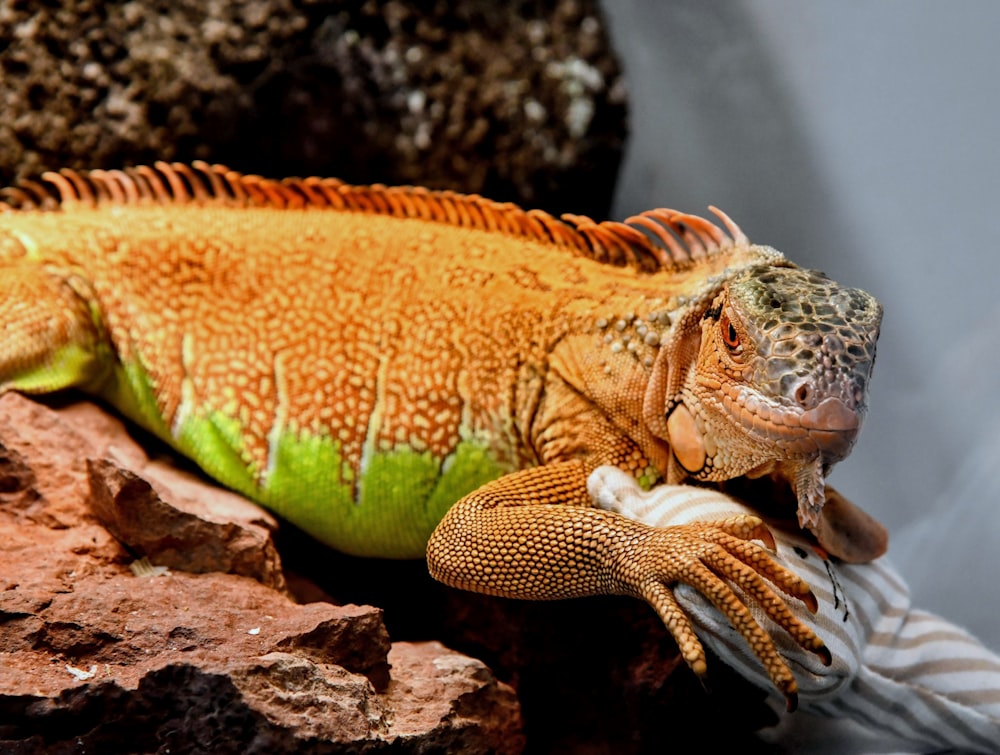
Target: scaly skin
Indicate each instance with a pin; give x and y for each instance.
(371, 362)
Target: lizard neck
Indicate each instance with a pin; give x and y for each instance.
(605, 366)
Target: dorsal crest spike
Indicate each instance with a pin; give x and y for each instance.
(193, 180)
(20, 196)
(234, 183)
(34, 193)
(155, 183)
(67, 191)
(108, 185)
(126, 185)
(218, 188)
(734, 230)
(653, 240)
(689, 238)
(177, 189)
(679, 253)
(309, 188)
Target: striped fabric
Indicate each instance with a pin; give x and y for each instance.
(902, 680)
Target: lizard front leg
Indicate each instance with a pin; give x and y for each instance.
(535, 534)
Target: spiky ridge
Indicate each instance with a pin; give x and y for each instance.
(660, 239)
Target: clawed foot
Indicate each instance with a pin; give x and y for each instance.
(719, 558)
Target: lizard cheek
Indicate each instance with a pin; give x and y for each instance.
(686, 440)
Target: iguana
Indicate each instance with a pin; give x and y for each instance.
(379, 364)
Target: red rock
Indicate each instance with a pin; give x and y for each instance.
(93, 658)
(201, 529)
(425, 678)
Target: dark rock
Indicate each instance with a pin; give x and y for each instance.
(519, 101)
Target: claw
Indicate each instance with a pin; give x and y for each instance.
(811, 603)
(731, 562)
(825, 656)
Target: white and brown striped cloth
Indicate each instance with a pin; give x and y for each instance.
(902, 680)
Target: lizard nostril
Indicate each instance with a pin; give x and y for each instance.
(803, 395)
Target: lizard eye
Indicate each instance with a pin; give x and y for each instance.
(729, 335)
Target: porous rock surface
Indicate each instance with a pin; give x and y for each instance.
(210, 654)
(521, 101)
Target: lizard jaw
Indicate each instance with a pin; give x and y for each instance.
(833, 426)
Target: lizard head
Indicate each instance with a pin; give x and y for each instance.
(780, 382)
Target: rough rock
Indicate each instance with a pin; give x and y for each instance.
(94, 658)
(522, 101)
(215, 532)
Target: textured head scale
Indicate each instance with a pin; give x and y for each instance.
(814, 343)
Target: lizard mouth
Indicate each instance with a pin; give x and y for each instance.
(813, 439)
(833, 426)
(800, 445)
(827, 430)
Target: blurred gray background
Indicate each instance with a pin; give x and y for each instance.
(862, 139)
